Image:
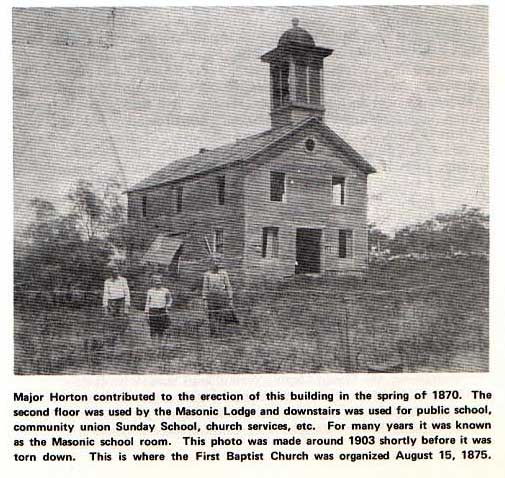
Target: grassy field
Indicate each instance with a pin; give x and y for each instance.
(409, 316)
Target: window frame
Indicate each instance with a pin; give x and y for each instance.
(349, 243)
(280, 84)
(221, 189)
(179, 199)
(343, 191)
(307, 150)
(302, 78)
(284, 73)
(275, 243)
(284, 198)
(314, 86)
(275, 86)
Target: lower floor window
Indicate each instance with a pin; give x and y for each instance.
(270, 248)
(345, 243)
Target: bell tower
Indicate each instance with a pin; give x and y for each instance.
(296, 77)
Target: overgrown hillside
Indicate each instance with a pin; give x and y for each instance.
(406, 316)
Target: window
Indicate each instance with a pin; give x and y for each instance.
(276, 91)
(178, 199)
(338, 190)
(218, 241)
(285, 83)
(345, 244)
(270, 248)
(221, 183)
(314, 86)
(301, 83)
(277, 187)
(280, 84)
(308, 84)
(310, 145)
(144, 206)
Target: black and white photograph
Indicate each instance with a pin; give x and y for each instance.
(251, 190)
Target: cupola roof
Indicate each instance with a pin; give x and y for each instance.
(296, 34)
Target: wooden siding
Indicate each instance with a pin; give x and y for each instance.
(308, 205)
(200, 216)
(248, 209)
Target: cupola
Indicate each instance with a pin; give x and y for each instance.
(296, 77)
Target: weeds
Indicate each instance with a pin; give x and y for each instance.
(303, 325)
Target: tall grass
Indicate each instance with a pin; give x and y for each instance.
(342, 324)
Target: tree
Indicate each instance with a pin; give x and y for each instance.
(96, 212)
(50, 233)
(464, 229)
(377, 239)
(70, 250)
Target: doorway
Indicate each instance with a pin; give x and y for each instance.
(308, 251)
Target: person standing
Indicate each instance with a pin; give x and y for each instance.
(116, 303)
(159, 300)
(217, 296)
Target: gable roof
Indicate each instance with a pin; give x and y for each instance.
(240, 151)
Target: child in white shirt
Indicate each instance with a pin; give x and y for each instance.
(159, 300)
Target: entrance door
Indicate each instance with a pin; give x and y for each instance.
(308, 251)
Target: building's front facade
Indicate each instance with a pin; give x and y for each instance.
(290, 200)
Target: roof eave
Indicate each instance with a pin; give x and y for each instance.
(178, 180)
(295, 46)
(361, 163)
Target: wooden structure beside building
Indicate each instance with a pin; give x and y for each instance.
(290, 200)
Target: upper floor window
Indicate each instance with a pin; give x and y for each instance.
(277, 186)
(179, 192)
(338, 190)
(144, 206)
(221, 188)
(219, 241)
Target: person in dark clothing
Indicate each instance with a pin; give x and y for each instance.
(116, 303)
(217, 295)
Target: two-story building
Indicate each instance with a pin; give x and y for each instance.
(290, 200)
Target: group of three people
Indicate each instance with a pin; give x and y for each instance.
(217, 296)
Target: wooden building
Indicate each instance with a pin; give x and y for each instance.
(290, 200)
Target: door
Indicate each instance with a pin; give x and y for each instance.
(308, 251)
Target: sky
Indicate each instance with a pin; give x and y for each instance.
(118, 95)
